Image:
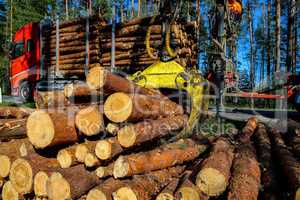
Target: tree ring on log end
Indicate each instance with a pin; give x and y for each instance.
(103, 150)
(165, 196)
(40, 129)
(58, 188)
(96, 78)
(211, 182)
(90, 160)
(121, 168)
(127, 136)
(40, 184)
(21, 176)
(124, 193)
(9, 192)
(188, 193)
(81, 152)
(96, 194)
(64, 158)
(5, 166)
(118, 107)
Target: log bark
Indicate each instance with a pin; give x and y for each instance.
(216, 167)
(133, 135)
(108, 148)
(121, 107)
(51, 128)
(15, 112)
(140, 186)
(76, 55)
(245, 181)
(73, 183)
(12, 129)
(89, 121)
(159, 158)
(271, 189)
(23, 171)
(248, 130)
(288, 164)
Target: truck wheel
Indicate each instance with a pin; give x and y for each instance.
(25, 92)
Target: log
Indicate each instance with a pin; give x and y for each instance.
(145, 187)
(40, 184)
(51, 99)
(91, 160)
(133, 135)
(188, 190)
(9, 192)
(80, 91)
(112, 128)
(72, 184)
(89, 121)
(105, 171)
(12, 129)
(15, 112)
(151, 183)
(73, 49)
(264, 151)
(101, 79)
(215, 171)
(63, 64)
(66, 157)
(288, 164)
(245, 181)
(162, 157)
(121, 107)
(51, 128)
(248, 130)
(23, 171)
(108, 148)
(76, 55)
(83, 149)
(168, 191)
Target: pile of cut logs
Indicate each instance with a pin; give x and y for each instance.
(131, 52)
(121, 150)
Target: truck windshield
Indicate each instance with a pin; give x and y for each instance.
(18, 50)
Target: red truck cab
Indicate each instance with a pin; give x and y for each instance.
(25, 61)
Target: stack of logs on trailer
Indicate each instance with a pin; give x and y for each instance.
(120, 149)
(130, 44)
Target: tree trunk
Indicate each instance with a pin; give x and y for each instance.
(159, 158)
(51, 128)
(81, 92)
(250, 27)
(9, 192)
(269, 43)
(168, 192)
(216, 167)
(288, 164)
(147, 186)
(290, 60)
(15, 112)
(51, 99)
(278, 35)
(121, 107)
(66, 157)
(245, 181)
(134, 135)
(74, 182)
(89, 121)
(248, 130)
(83, 149)
(188, 190)
(270, 186)
(108, 148)
(105, 171)
(112, 129)
(12, 129)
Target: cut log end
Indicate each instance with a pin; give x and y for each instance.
(40, 184)
(124, 193)
(165, 196)
(127, 136)
(118, 107)
(91, 160)
(21, 176)
(188, 193)
(58, 187)
(64, 159)
(121, 168)
(89, 121)
(112, 128)
(96, 78)
(297, 196)
(96, 194)
(40, 129)
(9, 192)
(23, 150)
(211, 181)
(103, 150)
(81, 152)
(5, 166)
